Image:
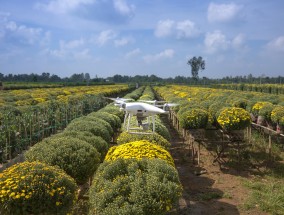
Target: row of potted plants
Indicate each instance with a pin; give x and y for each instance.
(230, 110)
(137, 177)
(22, 126)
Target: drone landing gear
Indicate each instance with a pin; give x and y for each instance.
(143, 127)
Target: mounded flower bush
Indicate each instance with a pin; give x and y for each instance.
(76, 157)
(112, 119)
(194, 118)
(277, 113)
(256, 108)
(93, 127)
(161, 130)
(96, 120)
(96, 141)
(154, 138)
(113, 110)
(131, 186)
(36, 188)
(233, 118)
(139, 149)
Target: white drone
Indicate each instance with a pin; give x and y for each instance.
(142, 111)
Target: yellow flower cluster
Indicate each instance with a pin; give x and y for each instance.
(233, 118)
(139, 149)
(258, 106)
(277, 114)
(35, 96)
(29, 182)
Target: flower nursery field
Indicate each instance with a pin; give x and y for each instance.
(192, 164)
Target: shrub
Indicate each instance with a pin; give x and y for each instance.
(36, 188)
(93, 127)
(258, 106)
(139, 149)
(113, 110)
(234, 118)
(147, 186)
(193, 119)
(76, 157)
(112, 119)
(96, 141)
(154, 138)
(266, 110)
(161, 130)
(96, 120)
(277, 113)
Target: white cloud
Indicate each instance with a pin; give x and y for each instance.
(183, 29)
(164, 28)
(215, 41)
(133, 53)
(105, 36)
(223, 12)
(238, 42)
(167, 53)
(276, 45)
(63, 6)
(123, 41)
(70, 48)
(83, 54)
(186, 29)
(123, 8)
(22, 33)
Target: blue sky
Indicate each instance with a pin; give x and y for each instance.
(142, 37)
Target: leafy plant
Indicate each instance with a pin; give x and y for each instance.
(194, 118)
(131, 186)
(139, 149)
(90, 126)
(234, 118)
(76, 157)
(154, 138)
(36, 188)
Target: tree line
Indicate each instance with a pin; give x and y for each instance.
(85, 78)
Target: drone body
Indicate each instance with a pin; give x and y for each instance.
(142, 111)
(140, 108)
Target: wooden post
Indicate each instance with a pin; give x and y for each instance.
(269, 146)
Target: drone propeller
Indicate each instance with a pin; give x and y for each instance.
(119, 100)
(152, 101)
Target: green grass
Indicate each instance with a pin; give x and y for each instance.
(210, 195)
(267, 195)
(267, 189)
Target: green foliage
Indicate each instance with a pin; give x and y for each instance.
(267, 194)
(154, 138)
(113, 110)
(90, 126)
(36, 188)
(112, 119)
(161, 130)
(266, 110)
(137, 187)
(233, 118)
(96, 141)
(193, 119)
(96, 120)
(76, 157)
(277, 113)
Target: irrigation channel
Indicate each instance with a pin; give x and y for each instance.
(207, 188)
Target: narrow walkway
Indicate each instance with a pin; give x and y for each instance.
(206, 189)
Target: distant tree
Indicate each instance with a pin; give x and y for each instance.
(87, 78)
(196, 65)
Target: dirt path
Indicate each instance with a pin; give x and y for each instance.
(207, 189)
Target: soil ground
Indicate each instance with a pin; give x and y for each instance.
(206, 188)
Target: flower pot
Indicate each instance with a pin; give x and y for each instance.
(260, 120)
(279, 129)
